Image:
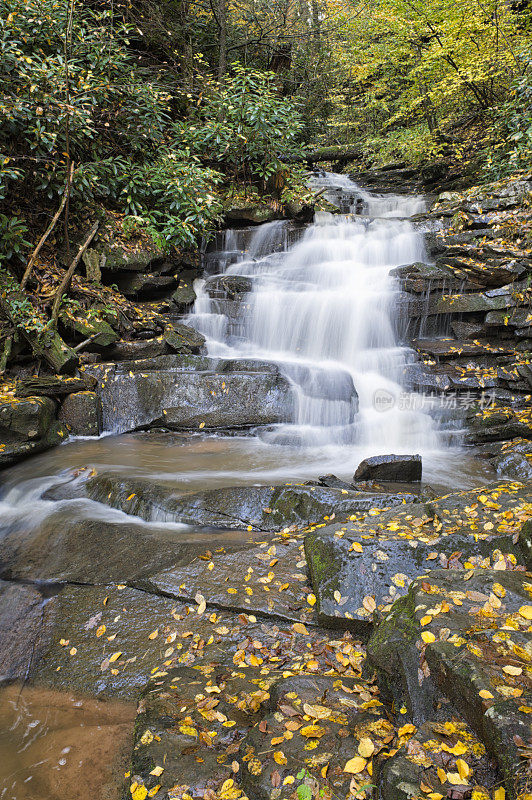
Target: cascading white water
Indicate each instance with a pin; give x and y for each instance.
(323, 309)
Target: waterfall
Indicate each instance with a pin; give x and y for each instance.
(322, 308)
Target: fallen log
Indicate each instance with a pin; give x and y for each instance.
(53, 386)
(65, 283)
(45, 342)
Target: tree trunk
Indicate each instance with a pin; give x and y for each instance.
(222, 41)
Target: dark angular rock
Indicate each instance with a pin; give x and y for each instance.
(52, 386)
(28, 426)
(359, 568)
(230, 286)
(136, 349)
(473, 303)
(144, 284)
(85, 327)
(468, 330)
(496, 424)
(183, 339)
(81, 412)
(184, 296)
(251, 215)
(402, 469)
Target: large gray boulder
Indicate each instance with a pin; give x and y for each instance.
(401, 469)
(184, 393)
(463, 636)
(28, 426)
(358, 569)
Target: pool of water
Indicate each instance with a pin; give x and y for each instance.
(60, 746)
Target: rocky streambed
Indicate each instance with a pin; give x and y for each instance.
(327, 635)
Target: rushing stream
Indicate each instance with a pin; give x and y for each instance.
(322, 308)
(324, 311)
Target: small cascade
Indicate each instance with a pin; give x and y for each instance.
(322, 307)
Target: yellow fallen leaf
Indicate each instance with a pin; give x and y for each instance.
(280, 758)
(311, 599)
(154, 634)
(312, 731)
(463, 768)
(526, 612)
(298, 627)
(499, 794)
(456, 779)
(100, 631)
(131, 496)
(406, 730)
(425, 620)
(428, 637)
(485, 694)
(457, 750)
(138, 792)
(355, 765)
(157, 771)
(115, 656)
(369, 603)
(366, 748)
(511, 670)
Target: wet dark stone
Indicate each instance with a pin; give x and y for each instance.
(379, 555)
(136, 349)
(144, 284)
(454, 669)
(266, 508)
(25, 621)
(402, 469)
(81, 412)
(28, 426)
(184, 296)
(416, 763)
(183, 339)
(52, 386)
(230, 286)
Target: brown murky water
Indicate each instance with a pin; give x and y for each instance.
(60, 746)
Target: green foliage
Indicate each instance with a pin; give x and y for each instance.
(12, 237)
(244, 125)
(428, 71)
(121, 123)
(513, 127)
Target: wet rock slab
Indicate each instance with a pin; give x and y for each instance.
(191, 392)
(358, 569)
(27, 426)
(464, 636)
(246, 721)
(267, 578)
(265, 508)
(65, 548)
(439, 757)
